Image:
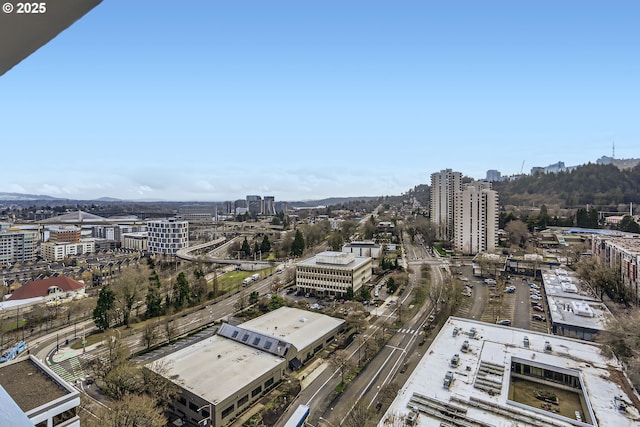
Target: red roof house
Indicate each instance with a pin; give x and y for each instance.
(51, 286)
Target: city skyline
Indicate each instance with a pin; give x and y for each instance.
(211, 101)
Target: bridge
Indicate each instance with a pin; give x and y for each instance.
(186, 254)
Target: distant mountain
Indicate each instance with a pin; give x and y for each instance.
(332, 201)
(20, 197)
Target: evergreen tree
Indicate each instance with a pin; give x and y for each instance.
(102, 312)
(265, 246)
(297, 247)
(181, 291)
(256, 248)
(245, 249)
(153, 299)
(349, 293)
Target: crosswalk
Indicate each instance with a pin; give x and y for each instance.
(74, 368)
(409, 331)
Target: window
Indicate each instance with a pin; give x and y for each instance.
(193, 406)
(227, 411)
(182, 401)
(245, 337)
(268, 383)
(244, 399)
(267, 345)
(234, 334)
(256, 341)
(256, 391)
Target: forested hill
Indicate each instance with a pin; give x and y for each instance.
(601, 185)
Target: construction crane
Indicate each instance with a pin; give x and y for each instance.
(522, 167)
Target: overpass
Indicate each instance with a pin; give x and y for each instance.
(186, 255)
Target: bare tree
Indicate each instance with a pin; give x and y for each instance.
(149, 334)
(134, 411)
(156, 383)
(341, 360)
(130, 288)
(170, 329)
(359, 415)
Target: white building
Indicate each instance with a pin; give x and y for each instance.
(363, 249)
(17, 246)
(444, 186)
(476, 219)
(58, 251)
(136, 241)
(482, 374)
(333, 273)
(167, 236)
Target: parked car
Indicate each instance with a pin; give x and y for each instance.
(504, 322)
(536, 297)
(539, 318)
(538, 308)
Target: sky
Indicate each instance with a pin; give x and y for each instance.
(214, 100)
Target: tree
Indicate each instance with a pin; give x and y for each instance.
(181, 291)
(359, 415)
(134, 411)
(391, 285)
(149, 335)
(121, 381)
(629, 225)
(518, 233)
(104, 306)
(170, 330)
(245, 249)
(265, 246)
(349, 293)
(256, 248)
(128, 289)
(335, 241)
(297, 247)
(153, 300)
(341, 360)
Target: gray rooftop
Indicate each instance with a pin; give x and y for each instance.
(216, 368)
(295, 326)
(314, 261)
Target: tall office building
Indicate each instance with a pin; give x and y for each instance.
(444, 185)
(476, 218)
(167, 236)
(255, 205)
(269, 205)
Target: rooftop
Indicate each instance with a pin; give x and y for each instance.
(40, 288)
(487, 383)
(216, 368)
(293, 325)
(29, 386)
(335, 260)
(572, 304)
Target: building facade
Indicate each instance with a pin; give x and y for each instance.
(66, 234)
(363, 249)
(476, 219)
(167, 236)
(136, 241)
(17, 246)
(58, 251)
(255, 205)
(444, 186)
(333, 274)
(621, 253)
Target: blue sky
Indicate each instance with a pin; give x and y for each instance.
(214, 100)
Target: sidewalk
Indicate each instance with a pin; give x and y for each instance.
(66, 352)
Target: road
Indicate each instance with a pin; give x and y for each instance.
(388, 366)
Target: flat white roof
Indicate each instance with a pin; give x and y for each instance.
(352, 265)
(487, 364)
(293, 325)
(216, 368)
(569, 308)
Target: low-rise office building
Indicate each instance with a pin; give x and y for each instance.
(573, 310)
(333, 274)
(44, 397)
(482, 374)
(222, 376)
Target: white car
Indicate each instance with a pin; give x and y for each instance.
(536, 297)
